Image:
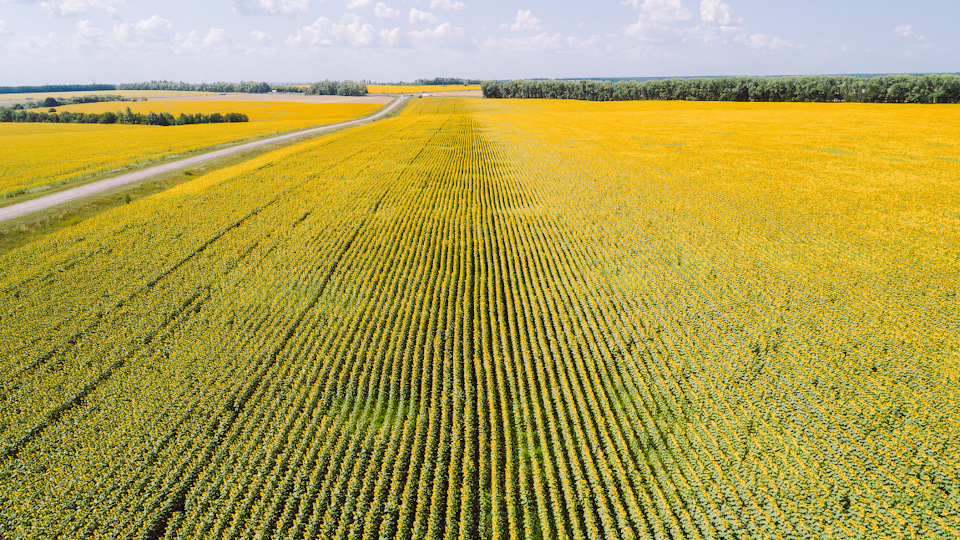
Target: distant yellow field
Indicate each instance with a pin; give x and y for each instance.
(38, 157)
(404, 89)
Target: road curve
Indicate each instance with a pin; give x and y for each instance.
(54, 199)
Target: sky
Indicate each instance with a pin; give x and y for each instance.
(115, 41)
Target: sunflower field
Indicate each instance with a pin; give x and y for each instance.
(39, 157)
(507, 320)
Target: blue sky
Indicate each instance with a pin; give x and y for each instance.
(106, 41)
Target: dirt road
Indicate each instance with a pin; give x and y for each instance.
(42, 203)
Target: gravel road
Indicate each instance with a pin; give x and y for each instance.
(47, 201)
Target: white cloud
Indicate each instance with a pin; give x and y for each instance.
(661, 10)
(540, 42)
(260, 36)
(906, 31)
(270, 7)
(525, 21)
(214, 40)
(390, 38)
(383, 11)
(710, 35)
(33, 47)
(641, 29)
(716, 12)
(350, 30)
(357, 4)
(664, 20)
(656, 17)
(65, 8)
(443, 35)
(763, 41)
(155, 29)
(717, 25)
(4, 31)
(598, 43)
(89, 36)
(422, 16)
(450, 5)
(153, 33)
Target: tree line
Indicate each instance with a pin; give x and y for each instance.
(56, 88)
(819, 88)
(58, 102)
(331, 88)
(248, 87)
(336, 88)
(436, 81)
(245, 87)
(9, 114)
(445, 81)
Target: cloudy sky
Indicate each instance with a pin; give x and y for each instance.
(108, 41)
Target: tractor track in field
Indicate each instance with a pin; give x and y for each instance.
(55, 199)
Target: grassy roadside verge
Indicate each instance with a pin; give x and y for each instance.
(23, 230)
